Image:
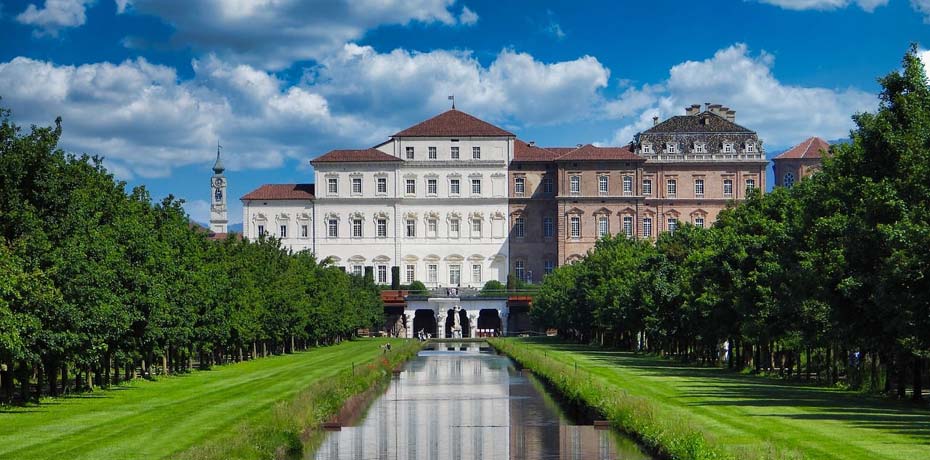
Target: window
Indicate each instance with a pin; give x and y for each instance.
(356, 228)
(671, 187)
(409, 153)
(454, 228)
(358, 270)
(411, 228)
(356, 185)
(261, 230)
(547, 185)
(476, 153)
(671, 147)
(283, 231)
(453, 186)
(603, 226)
(548, 267)
(432, 273)
(332, 185)
(699, 187)
(700, 147)
(431, 151)
(628, 226)
(602, 185)
(519, 269)
(410, 273)
(432, 226)
(548, 227)
(728, 187)
(647, 148)
(750, 185)
(475, 228)
(333, 228)
(750, 147)
(476, 186)
(574, 184)
(381, 226)
(789, 180)
(519, 227)
(382, 185)
(304, 231)
(672, 224)
(727, 147)
(431, 187)
(699, 221)
(519, 186)
(411, 187)
(627, 185)
(382, 274)
(575, 227)
(476, 273)
(647, 187)
(455, 153)
(647, 227)
(455, 274)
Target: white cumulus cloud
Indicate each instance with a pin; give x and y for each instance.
(782, 114)
(866, 5)
(468, 17)
(55, 15)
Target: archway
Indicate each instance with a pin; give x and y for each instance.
(489, 322)
(424, 320)
(463, 321)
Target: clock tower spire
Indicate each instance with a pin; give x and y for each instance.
(218, 217)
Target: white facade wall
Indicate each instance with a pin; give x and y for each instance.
(271, 215)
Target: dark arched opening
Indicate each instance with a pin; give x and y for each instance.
(424, 320)
(489, 322)
(463, 321)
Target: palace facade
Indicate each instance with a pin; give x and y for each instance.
(455, 201)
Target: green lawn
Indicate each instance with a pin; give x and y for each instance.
(819, 423)
(158, 419)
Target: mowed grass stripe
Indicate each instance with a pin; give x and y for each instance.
(158, 419)
(743, 410)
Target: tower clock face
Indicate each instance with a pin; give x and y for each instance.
(217, 182)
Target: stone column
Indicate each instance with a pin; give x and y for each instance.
(473, 324)
(504, 313)
(409, 323)
(441, 325)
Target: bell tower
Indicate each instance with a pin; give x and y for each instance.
(218, 217)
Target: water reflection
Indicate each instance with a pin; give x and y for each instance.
(462, 402)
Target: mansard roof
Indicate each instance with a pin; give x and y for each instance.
(523, 151)
(354, 156)
(704, 122)
(281, 192)
(590, 152)
(454, 123)
(808, 150)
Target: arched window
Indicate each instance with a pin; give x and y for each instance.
(789, 179)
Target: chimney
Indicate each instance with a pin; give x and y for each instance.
(580, 145)
(532, 143)
(655, 121)
(706, 106)
(731, 116)
(693, 109)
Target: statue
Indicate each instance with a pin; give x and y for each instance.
(456, 323)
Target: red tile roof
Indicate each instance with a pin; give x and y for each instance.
(807, 150)
(561, 150)
(453, 123)
(281, 192)
(523, 151)
(354, 156)
(590, 152)
(223, 236)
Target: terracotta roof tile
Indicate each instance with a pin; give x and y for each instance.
(453, 123)
(281, 192)
(807, 150)
(590, 152)
(561, 150)
(354, 156)
(523, 151)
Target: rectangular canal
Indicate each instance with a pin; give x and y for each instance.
(463, 401)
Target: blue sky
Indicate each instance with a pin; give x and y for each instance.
(153, 85)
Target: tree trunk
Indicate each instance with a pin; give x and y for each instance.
(164, 363)
(64, 378)
(51, 370)
(918, 379)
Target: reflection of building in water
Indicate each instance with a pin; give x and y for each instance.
(534, 427)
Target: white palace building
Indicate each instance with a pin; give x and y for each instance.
(432, 200)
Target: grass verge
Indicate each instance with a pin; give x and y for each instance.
(665, 431)
(293, 428)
